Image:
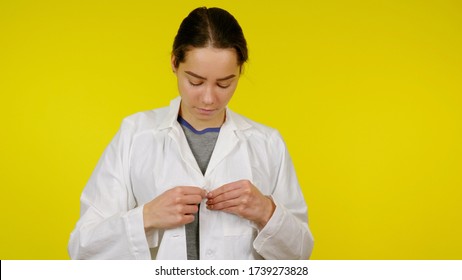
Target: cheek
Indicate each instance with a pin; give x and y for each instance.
(224, 97)
(187, 91)
(229, 93)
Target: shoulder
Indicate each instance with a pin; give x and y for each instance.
(256, 130)
(144, 121)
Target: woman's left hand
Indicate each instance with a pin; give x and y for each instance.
(243, 199)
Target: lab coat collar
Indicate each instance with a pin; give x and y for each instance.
(172, 115)
(233, 121)
(226, 142)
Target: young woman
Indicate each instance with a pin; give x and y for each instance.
(195, 180)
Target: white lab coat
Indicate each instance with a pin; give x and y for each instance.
(150, 155)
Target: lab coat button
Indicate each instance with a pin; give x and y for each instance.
(209, 252)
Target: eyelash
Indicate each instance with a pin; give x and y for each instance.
(195, 85)
(220, 86)
(199, 84)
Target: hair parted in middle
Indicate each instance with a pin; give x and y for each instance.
(213, 27)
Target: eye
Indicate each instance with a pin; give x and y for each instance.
(195, 84)
(223, 86)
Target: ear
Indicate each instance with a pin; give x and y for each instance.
(172, 63)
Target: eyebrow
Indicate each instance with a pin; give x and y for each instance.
(203, 78)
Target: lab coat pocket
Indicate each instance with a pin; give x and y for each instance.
(234, 225)
(173, 245)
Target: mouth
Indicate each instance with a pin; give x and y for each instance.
(205, 111)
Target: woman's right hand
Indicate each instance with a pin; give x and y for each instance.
(173, 208)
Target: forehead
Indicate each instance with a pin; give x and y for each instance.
(211, 61)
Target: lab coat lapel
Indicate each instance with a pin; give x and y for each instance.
(176, 133)
(226, 142)
(228, 138)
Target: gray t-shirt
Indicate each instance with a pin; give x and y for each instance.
(201, 144)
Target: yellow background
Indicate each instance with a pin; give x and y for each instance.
(367, 95)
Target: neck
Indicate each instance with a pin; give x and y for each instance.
(199, 124)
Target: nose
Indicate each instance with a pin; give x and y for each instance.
(208, 96)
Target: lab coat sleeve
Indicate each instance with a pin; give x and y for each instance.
(110, 224)
(286, 235)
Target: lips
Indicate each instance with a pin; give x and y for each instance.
(205, 111)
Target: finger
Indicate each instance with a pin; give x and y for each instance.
(233, 194)
(224, 189)
(190, 190)
(187, 219)
(224, 205)
(189, 209)
(189, 199)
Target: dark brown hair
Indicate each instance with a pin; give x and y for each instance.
(213, 27)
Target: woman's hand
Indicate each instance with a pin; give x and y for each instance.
(243, 199)
(173, 208)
